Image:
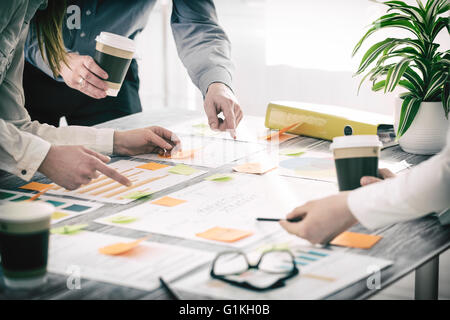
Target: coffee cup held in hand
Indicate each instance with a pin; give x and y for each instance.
(113, 53)
(24, 235)
(355, 157)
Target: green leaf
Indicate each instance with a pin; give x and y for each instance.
(408, 85)
(416, 13)
(373, 53)
(388, 78)
(379, 85)
(431, 9)
(409, 109)
(397, 74)
(440, 24)
(414, 78)
(436, 83)
(446, 97)
(419, 3)
(443, 9)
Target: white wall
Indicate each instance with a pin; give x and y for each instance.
(283, 50)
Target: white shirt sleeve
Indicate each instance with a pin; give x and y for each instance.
(421, 190)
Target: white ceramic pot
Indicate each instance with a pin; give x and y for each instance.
(428, 131)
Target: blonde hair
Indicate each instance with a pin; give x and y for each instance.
(48, 24)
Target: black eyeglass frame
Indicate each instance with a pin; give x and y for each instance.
(277, 284)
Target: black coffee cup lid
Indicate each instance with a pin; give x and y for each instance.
(356, 141)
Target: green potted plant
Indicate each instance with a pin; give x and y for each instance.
(415, 64)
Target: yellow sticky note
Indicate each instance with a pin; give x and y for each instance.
(355, 240)
(168, 202)
(120, 247)
(254, 167)
(58, 215)
(224, 234)
(36, 186)
(152, 166)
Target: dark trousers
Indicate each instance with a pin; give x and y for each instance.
(47, 100)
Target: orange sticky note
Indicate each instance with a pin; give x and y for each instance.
(355, 240)
(184, 154)
(121, 247)
(36, 186)
(280, 132)
(254, 167)
(152, 166)
(168, 202)
(224, 234)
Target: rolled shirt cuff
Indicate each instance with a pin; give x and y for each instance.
(104, 142)
(216, 74)
(34, 156)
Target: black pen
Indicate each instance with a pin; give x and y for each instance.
(171, 293)
(277, 219)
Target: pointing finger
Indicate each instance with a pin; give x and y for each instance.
(113, 174)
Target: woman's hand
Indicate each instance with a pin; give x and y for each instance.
(322, 219)
(83, 74)
(73, 166)
(384, 173)
(325, 218)
(145, 140)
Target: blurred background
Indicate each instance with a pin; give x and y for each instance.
(282, 49)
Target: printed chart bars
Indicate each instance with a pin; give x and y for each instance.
(223, 211)
(146, 179)
(64, 208)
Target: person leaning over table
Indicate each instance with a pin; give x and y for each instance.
(416, 193)
(70, 156)
(202, 45)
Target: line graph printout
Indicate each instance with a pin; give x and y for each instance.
(208, 152)
(138, 268)
(231, 205)
(146, 179)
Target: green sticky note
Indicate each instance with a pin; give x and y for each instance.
(219, 177)
(292, 152)
(69, 229)
(182, 169)
(136, 195)
(123, 219)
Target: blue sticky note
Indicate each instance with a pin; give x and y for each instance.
(55, 203)
(77, 208)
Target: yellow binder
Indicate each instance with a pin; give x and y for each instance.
(324, 121)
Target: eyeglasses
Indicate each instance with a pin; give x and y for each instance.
(271, 271)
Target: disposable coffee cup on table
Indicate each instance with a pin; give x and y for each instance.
(113, 53)
(355, 157)
(24, 238)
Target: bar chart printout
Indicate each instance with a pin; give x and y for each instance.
(147, 178)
